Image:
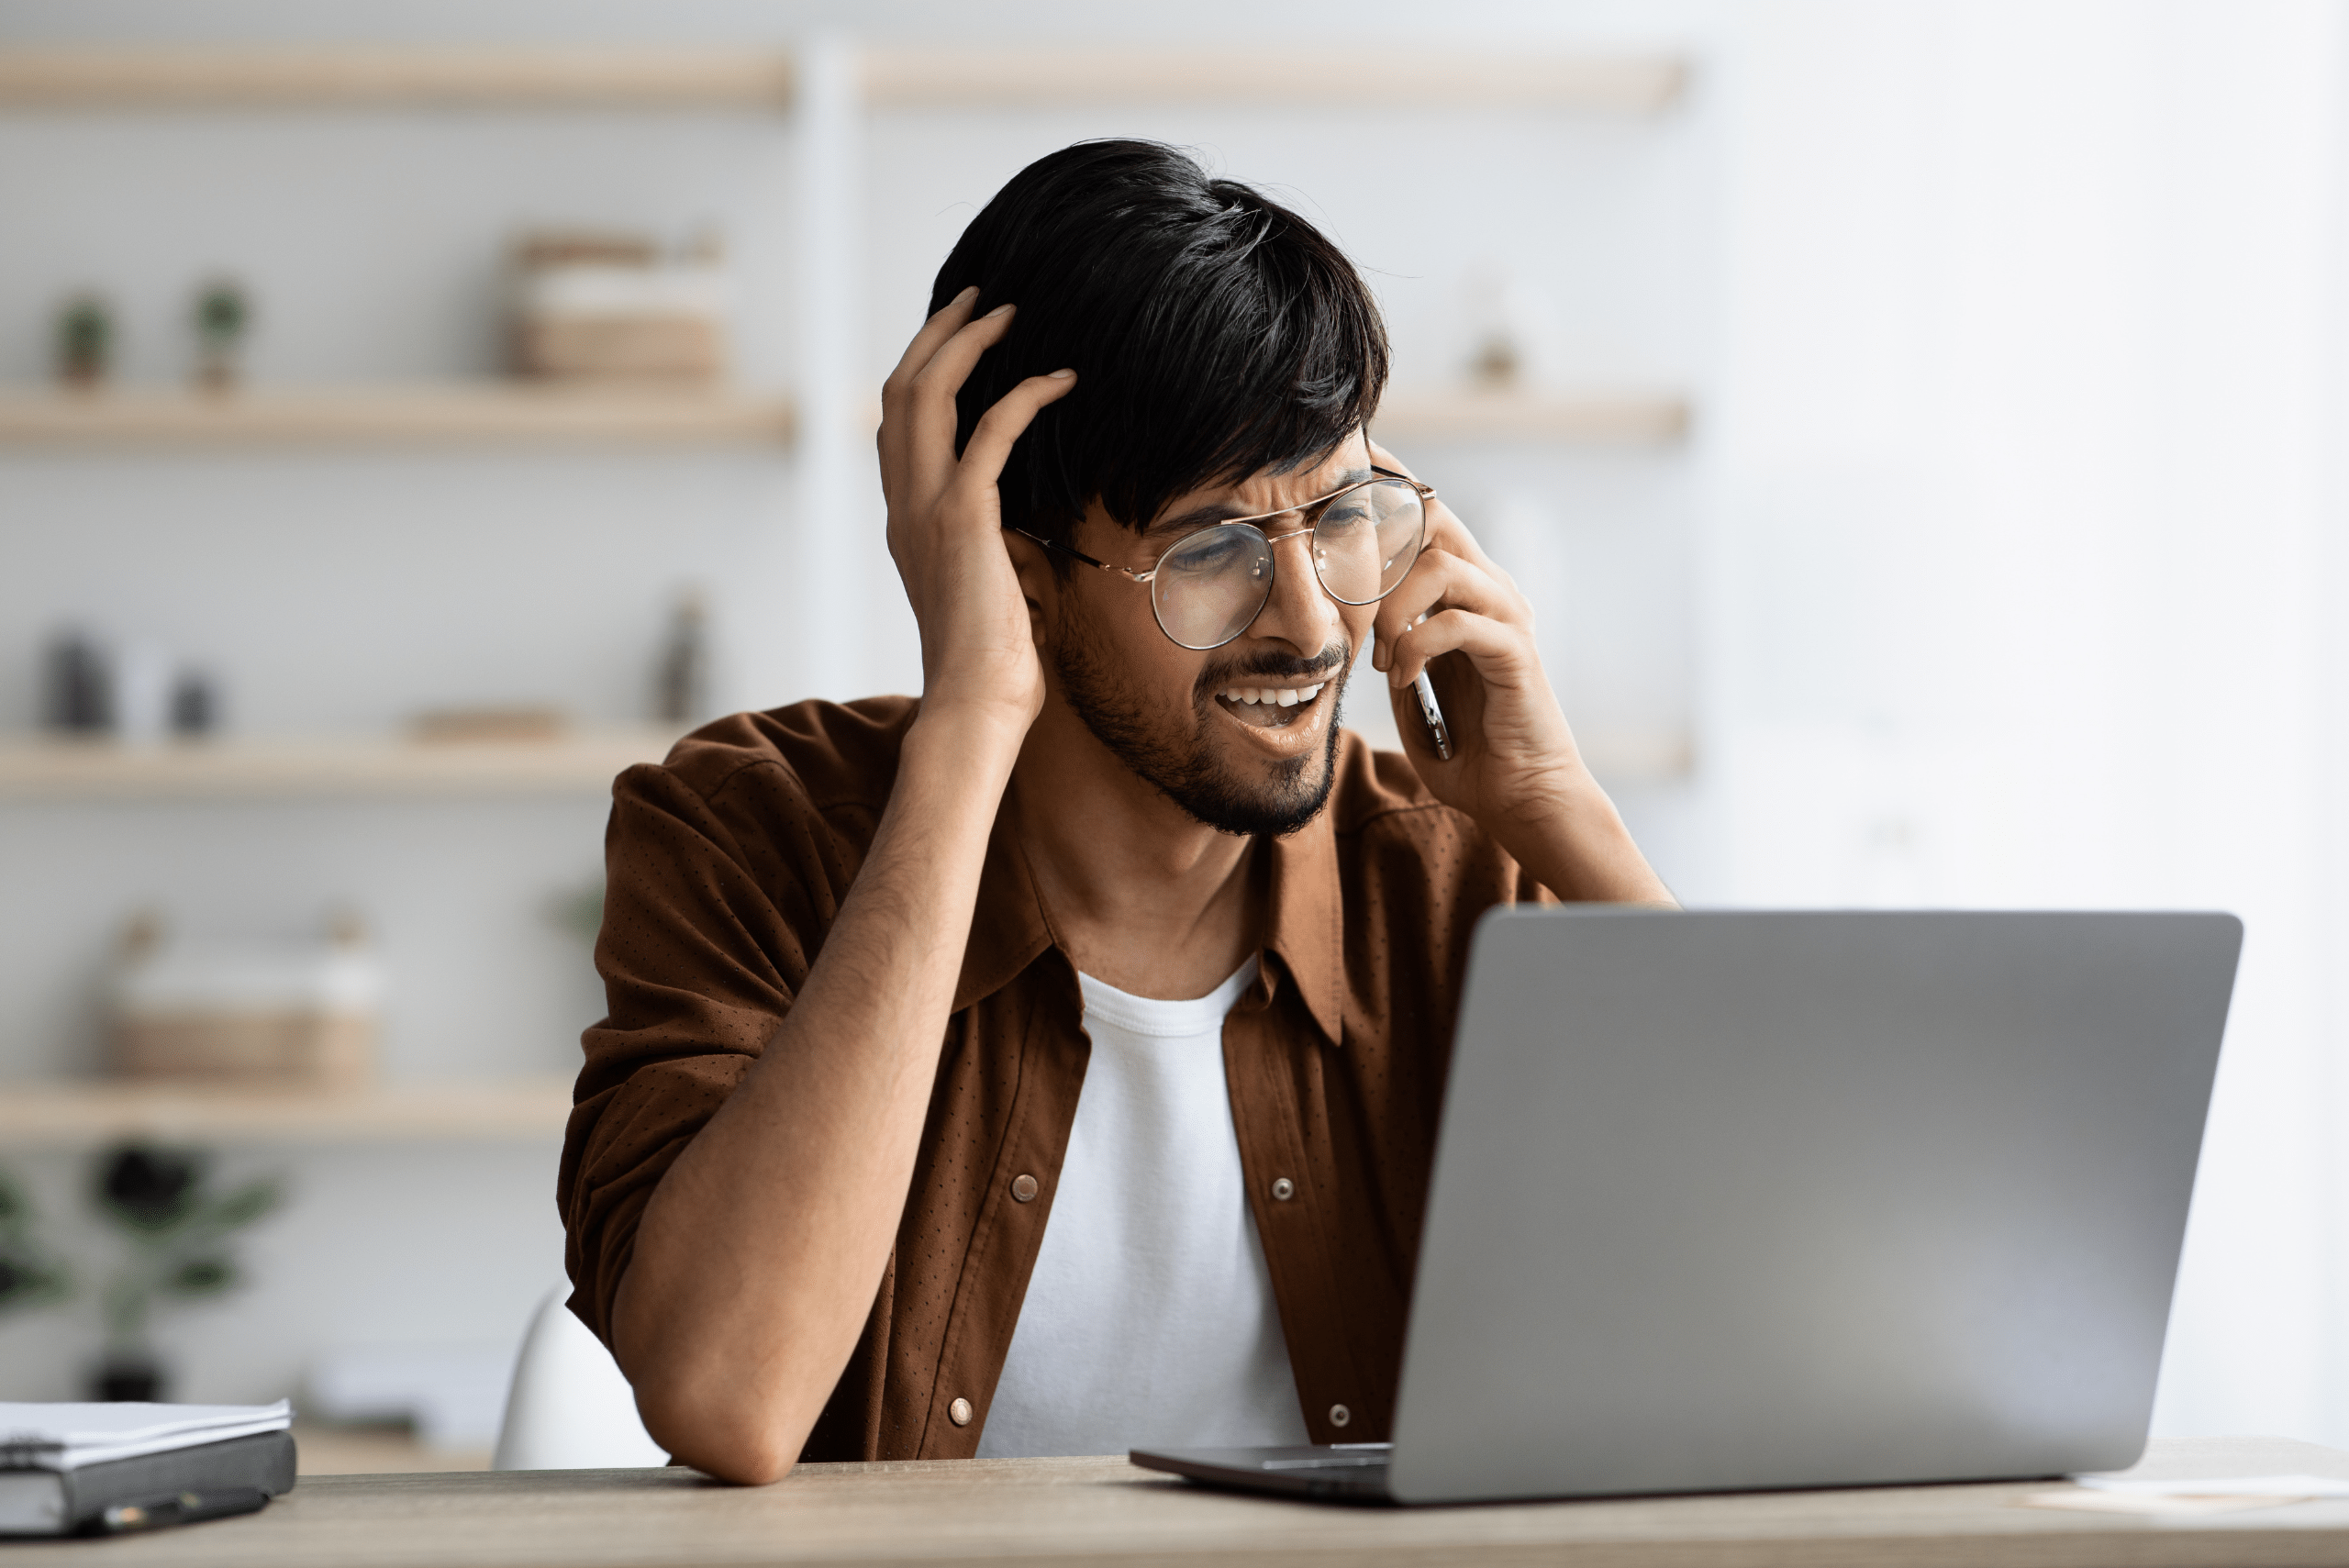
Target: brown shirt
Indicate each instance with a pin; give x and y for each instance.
(727, 865)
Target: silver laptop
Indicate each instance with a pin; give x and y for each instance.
(1744, 1200)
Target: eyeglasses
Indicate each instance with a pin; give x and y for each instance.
(1210, 586)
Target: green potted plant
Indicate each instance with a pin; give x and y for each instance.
(179, 1231)
(84, 342)
(222, 316)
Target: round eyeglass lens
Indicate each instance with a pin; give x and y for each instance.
(1366, 541)
(1209, 587)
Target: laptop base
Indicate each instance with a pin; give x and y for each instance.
(1345, 1472)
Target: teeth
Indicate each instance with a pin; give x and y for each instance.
(1282, 696)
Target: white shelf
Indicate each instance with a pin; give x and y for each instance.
(357, 767)
(455, 414)
(371, 77)
(70, 1113)
(1625, 418)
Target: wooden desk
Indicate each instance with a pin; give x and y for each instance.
(1071, 1511)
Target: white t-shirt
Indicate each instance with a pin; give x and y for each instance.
(1149, 1321)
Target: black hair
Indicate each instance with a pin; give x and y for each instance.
(1214, 332)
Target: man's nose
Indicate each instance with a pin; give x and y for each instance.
(1299, 613)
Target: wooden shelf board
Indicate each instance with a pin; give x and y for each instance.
(365, 77)
(1009, 78)
(492, 415)
(488, 414)
(1630, 419)
(229, 769)
(65, 1113)
(1638, 756)
(894, 77)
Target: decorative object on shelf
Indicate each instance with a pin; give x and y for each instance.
(31, 1274)
(222, 317)
(681, 681)
(78, 698)
(282, 1012)
(195, 704)
(134, 690)
(1509, 324)
(84, 342)
(142, 675)
(178, 1233)
(448, 726)
(612, 308)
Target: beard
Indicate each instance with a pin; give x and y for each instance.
(1179, 761)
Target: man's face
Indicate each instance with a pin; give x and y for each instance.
(1182, 719)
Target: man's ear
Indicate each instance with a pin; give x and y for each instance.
(1039, 584)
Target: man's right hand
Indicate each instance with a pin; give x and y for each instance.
(978, 653)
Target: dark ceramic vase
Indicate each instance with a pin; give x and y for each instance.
(128, 1377)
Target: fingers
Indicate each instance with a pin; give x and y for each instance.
(918, 416)
(1498, 652)
(942, 376)
(1441, 580)
(943, 323)
(894, 440)
(1000, 425)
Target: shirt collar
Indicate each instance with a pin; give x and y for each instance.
(1010, 928)
(1303, 924)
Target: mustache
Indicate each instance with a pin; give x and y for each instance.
(1288, 672)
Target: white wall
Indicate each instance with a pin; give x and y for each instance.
(2024, 540)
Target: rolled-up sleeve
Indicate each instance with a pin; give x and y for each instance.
(724, 868)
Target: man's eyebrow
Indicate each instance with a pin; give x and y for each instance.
(1221, 511)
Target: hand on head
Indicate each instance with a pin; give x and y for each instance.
(945, 531)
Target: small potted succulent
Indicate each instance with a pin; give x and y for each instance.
(179, 1231)
(222, 317)
(84, 342)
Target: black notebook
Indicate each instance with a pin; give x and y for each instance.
(178, 1484)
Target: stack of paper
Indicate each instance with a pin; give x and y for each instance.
(67, 1437)
(2192, 1495)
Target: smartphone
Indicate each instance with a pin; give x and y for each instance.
(1438, 735)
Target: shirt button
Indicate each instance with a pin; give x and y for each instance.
(1283, 1188)
(959, 1412)
(1023, 1188)
(1338, 1414)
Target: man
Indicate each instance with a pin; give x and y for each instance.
(1052, 1064)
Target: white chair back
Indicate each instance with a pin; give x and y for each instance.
(570, 1409)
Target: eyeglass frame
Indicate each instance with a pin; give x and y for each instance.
(1378, 476)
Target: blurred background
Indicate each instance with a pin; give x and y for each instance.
(1916, 424)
